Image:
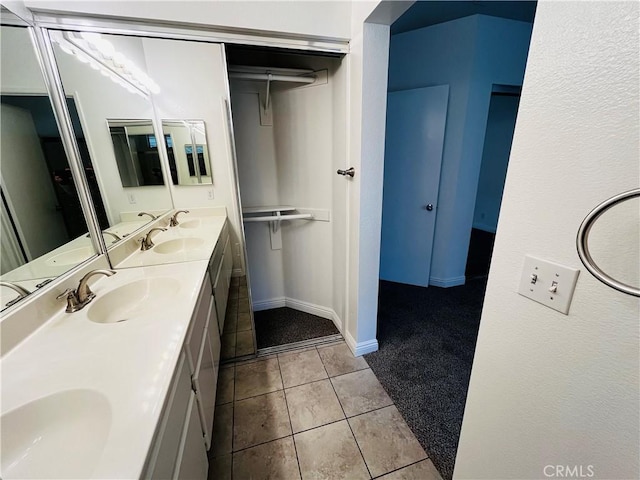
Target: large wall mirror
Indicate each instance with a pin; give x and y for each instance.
(186, 142)
(106, 77)
(43, 232)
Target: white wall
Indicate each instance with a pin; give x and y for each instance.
(317, 18)
(367, 65)
(258, 176)
(549, 389)
(291, 163)
(192, 81)
(470, 54)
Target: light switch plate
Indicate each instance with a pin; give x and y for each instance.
(548, 283)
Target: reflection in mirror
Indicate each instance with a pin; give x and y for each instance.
(182, 138)
(136, 151)
(43, 232)
(105, 76)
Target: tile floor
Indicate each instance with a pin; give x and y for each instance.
(237, 336)
(311, 414)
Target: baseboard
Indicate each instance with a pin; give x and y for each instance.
(447, 282)
(313, 309)
(362, 348)
(278, 302)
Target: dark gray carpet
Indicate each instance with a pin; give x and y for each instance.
(280, 326)
(427, 338)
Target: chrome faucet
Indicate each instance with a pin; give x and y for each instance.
(174, 219)
(22, 292)
(153, 217)
(145, 242)
(79, 298)
(116, 238)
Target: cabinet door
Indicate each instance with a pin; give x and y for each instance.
(205, 385)
(227, 261)
(221, 293)
(166, 449)
(192, 462)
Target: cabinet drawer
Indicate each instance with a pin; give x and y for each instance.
(192, 462)
(198, 322)
(165, 453)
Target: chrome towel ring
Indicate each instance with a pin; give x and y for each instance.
(582, 243)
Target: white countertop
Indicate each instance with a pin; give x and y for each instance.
(130, 363)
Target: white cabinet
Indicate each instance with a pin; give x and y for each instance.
(220, 268)
(186, 428)
(192, 462)
(179, 451)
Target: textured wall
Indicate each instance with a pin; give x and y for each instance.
(548, 389)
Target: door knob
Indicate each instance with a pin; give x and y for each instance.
(350, 171)
(429, 207)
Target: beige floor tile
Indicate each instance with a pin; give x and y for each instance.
(235, 281)
(243, 292)
(220, 468)
(269, 461)
(339, 360)
(257, 378)
(386, 441)
(228, 348)
(360, 392)
(330, 453)
(243, 281)
(244, 322)
(244, 343)
(233, 293)
(260, 419)
(230, 322)
(222, 430)
(302, 367)
(243, 304)
(313, 405)
(423, 470)
(226, 382)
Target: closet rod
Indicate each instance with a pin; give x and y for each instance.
(275, 218)
(272, 77)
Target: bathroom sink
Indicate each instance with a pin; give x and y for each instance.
(179, 245)
(58, 436)
(190, 223)
(70, 257)
(133, 299)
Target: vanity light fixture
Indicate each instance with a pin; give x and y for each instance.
(101, 55)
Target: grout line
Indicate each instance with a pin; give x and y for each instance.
(262, 443)
(400, 468)
(286, 404)
(347, 420)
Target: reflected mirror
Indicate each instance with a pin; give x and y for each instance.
(136, 152)
(183, 138)
(43, 232)
(105, 76)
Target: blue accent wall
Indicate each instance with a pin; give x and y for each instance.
(470, 54)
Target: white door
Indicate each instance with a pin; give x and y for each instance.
(413, 155)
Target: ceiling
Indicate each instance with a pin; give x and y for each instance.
(425, 13)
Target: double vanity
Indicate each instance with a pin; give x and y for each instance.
(125, 386)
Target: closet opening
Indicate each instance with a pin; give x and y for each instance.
(455, 74)
(288, 116)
